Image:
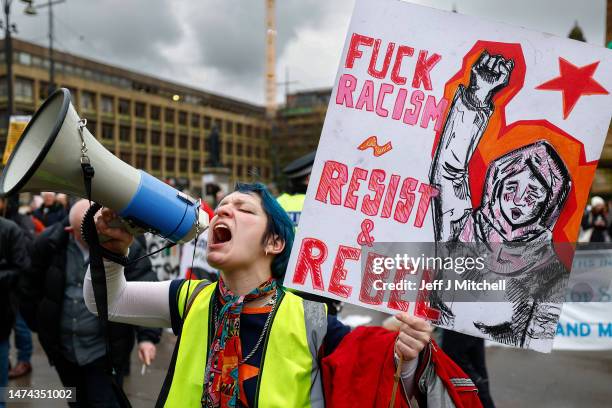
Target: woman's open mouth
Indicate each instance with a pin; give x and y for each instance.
(221, 234)
(516, 213)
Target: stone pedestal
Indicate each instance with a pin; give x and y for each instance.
(215, 184)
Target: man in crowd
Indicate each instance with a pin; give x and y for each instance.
(50, 212)
(596, 225)
(13, 262)
(52, 304)
(9, 209)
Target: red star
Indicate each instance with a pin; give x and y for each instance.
(573, 83)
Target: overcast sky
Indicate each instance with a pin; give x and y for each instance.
(219, 45)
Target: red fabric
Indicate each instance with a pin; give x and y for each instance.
(206, 208)
(359, 373)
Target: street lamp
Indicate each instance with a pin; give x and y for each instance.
(8, 56)
(32, 10)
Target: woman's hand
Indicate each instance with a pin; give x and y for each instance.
(414, 334)
(119, 239)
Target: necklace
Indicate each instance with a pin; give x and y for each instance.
(271, 302)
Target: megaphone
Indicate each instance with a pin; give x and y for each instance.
(48, 157)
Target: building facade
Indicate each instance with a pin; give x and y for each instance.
(155, 125)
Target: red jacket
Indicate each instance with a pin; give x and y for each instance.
(359, 373)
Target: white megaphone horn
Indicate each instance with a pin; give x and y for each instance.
(48, 157)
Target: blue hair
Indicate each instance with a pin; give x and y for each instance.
(279, 225)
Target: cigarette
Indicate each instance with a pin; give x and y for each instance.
(143, 369)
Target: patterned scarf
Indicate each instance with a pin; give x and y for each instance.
(221, 385)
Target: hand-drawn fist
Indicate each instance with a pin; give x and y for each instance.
(490, 73)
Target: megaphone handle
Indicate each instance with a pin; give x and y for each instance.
(121, 223)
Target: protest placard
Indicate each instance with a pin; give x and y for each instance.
(17, 125)
(445, 128)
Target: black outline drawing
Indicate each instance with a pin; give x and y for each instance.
(523, 195)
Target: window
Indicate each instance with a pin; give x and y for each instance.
(239, 128)
(219, 124)
(229, 147)
(24, 89)
(195, 166)
(124, 107)
(239, 149)
(182, 118)
(195, 143)
(257, 132)
(107, 104)
(155, 112)
(155, 162)
(24, 58)
(141, 160)
(169, 163)
(140, 110)
(266, 172)
(239, 170)
(169, 115)
(141, 136)
(107, 131)
(249, 151)
(88, 100)
(183, 165)
(183, 141)
(91, 126)
(195, 120)
(229, 126)
(249, 131)
(43, 90)
(124, 133)
(155, 138)
(207, 121)
(257, 152)
(126, 157)
(169, 140)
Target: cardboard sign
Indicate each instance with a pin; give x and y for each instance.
(443, 127)
(17, 125)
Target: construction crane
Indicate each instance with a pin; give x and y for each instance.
(270, 59)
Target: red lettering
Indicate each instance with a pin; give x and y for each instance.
(310, 263)
(398, 109)
(339, 271)
(421, 71)
(390, 197)
(333, 177)
(366, 97)
(433, 112)
(353, 52)
(370, 205)
(350, 201)
(395, 300)
(402, 51)
(427, 193)
(411, 116)
(384, 89)
(346, 87)
(404, 208)
(422, 308)
(367, 283)
(373, 59)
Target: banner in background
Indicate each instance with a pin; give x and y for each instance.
(17, 125)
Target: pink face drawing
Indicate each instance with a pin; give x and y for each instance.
(523, 198)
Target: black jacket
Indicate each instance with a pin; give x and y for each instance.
(42, 295)
(14, 261)
(50, 215)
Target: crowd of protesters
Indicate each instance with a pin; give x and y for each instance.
(43, 261)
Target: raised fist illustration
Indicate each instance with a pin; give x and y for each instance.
(490, 73)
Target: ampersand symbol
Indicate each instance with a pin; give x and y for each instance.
(364, 237)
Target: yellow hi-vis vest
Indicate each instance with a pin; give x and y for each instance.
(293, 205)
(289, 375)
